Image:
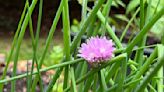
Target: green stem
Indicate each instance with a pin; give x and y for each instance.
(109, 29)
(128, 25)
(144, 68)
(88, 84)
(50, 36)
(122, 75)
(153, 70)
(53, 80)
(21, 34)
(144, 31)
(34, 58)
(73, 80)
(42, 70)
(84, 10)
(13, 45)
(140, 53)
(66, 35)
(85, 25)
(160, 81)
(82, 71)
(103, 85)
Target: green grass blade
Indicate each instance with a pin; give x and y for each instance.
(84, 10)
(81, 71)
(85, 25)
(140, 53)
(13, 45)
(103, 85)
(66, 35)
(43, 70)
(88, 84)
(160, 80)
(34, 56)
(144, 31)
(50, 36)
(145, 66)
(53, 80)
(112, 71)
(21, 34)
(122, 75)
(152, 70)
(109, 29)
(128, 25)
(73, 80)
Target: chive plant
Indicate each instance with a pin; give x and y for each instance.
(119, 73)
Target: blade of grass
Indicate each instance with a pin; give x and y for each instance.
(50, 36)
(112, 70)
(73, 80)
(21, 34)
(160, 81)
(103, 85)
(95, 82)
(36, 44)
(143, 69)
(85, 25)
(53, 80)
(111, 89)
(34, 57)
(142, 14)
(140, 53)
(122, 75)
(82, 71)
(144, 31)
(66, 35)
(129, 23)
(58, 72)
(42, 70)
(13, 45)
(105, 13)
(27, 78)
(88, 84)
(84, 10)
(153, 70)
(109, 29)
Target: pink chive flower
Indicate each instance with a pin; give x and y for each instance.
(96, 49)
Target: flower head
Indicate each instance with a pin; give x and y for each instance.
(96, 49)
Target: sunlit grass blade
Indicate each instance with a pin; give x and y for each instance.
(160, 80)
